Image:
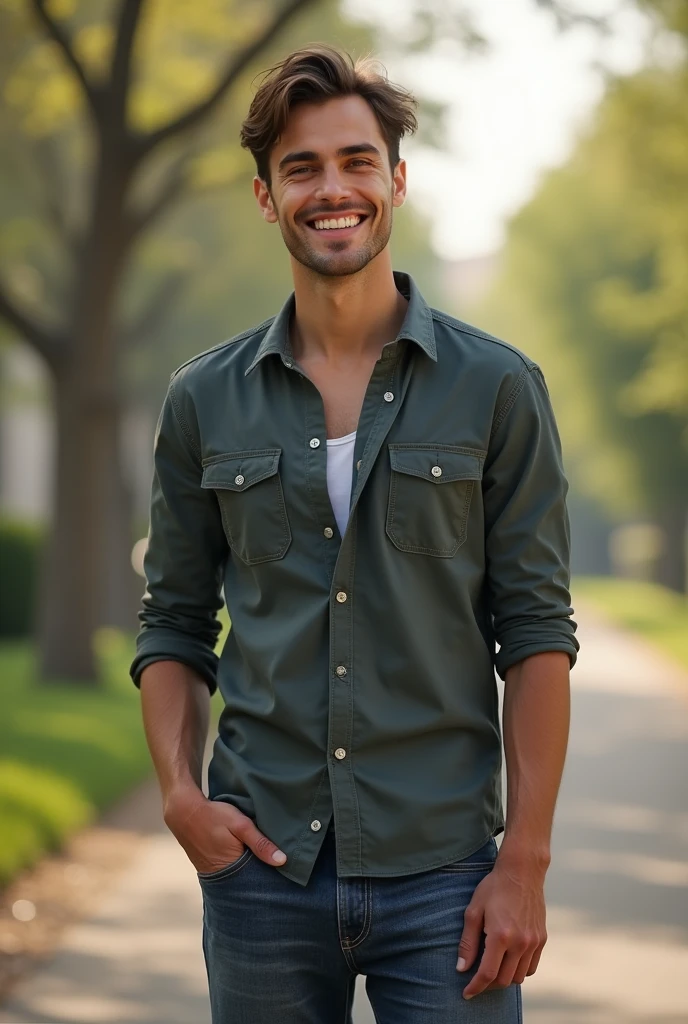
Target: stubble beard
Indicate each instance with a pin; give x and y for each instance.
(340, 260)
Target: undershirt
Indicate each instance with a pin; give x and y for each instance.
(340, 465)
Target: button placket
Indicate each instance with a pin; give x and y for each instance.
(377, 416)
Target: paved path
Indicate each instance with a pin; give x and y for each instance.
(617, 891)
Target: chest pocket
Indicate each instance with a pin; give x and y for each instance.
(249, 492)
(430, 493)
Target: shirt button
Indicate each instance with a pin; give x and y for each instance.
(341, 597)
(340, 670)
(238, 480)
(388, 396)
(329, 532)
(315, 825)
(340, 753)
(436, 471)
(314, 442)
(288, 363)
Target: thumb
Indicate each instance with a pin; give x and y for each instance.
(264, 848)
(470, 937)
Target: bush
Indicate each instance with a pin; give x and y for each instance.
(20, 551)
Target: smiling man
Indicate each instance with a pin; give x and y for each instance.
(378, 488)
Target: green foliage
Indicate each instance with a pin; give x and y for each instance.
(654, 612)
(593, 286)
(67, 750)
(20, 550)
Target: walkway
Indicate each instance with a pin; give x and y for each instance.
(617, 891)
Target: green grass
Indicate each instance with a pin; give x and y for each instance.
(67, 751)
(655, 613)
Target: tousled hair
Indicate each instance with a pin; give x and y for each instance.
(315, 74)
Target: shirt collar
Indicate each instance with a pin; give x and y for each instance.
(417, 325)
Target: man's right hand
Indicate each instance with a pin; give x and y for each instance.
(214, 833)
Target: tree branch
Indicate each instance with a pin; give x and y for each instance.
(167, 292)
(178, 186)
(234, 67)
(59, 36)
(173, 187)
(120, 73)
(47, 343)
(567, 18)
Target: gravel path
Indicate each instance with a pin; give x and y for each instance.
(617, 890)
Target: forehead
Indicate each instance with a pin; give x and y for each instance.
(329, 126)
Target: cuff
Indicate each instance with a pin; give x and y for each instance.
(159, 644)
(515, 649)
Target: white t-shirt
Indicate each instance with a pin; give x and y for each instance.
(340, 466)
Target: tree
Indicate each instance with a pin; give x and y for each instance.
(136, 163)
(113, 119)
(596, 266)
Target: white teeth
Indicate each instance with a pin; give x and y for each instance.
(341, 222)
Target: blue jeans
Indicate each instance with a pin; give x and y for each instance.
(280, 953)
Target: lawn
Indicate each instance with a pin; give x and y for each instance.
(66, 751)
(653, 612)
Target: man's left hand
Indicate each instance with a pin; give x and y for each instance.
(509, 906)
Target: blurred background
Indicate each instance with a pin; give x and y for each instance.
(548, 204)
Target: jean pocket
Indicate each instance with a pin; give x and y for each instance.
(249, 492)
(430, 492)
(228, 869)
(482, 859)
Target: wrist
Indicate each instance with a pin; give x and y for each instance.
(180, 801)
(524, 856)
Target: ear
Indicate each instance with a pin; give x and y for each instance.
(399, 184)
(264, 200)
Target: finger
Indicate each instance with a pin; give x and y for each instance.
(470, 937)
(490, 965)
(510, 964)
(535, 960)
(523, 969)
(246, 830)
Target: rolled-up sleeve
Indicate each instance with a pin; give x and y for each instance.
(527, 540)
(185, 557)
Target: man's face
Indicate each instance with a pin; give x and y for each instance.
(332, 163)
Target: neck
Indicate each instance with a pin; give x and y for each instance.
(343, 319)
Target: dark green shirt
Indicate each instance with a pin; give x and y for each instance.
(359, 672)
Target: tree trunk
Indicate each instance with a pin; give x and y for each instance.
(671, 565)
(88, 579)
(71, 579)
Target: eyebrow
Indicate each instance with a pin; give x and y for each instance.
(310, 154)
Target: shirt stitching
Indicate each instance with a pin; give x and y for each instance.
(509, 401)
(229, 341)
(182, 422)
(459, 325)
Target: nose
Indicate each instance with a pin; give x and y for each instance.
(332, 187)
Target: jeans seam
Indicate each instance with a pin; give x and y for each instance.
(367, 918)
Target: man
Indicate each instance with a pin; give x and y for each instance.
(379, 489)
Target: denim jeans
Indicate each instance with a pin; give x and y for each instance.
(280, 953)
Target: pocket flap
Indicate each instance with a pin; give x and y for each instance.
(440, 464)
(239, 470)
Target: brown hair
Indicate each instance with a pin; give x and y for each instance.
(315, 74)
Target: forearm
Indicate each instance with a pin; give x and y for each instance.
(175, 704)
(536, 727)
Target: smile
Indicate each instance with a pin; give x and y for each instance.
(338, 223)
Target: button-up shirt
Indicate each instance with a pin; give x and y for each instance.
(359, 672)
